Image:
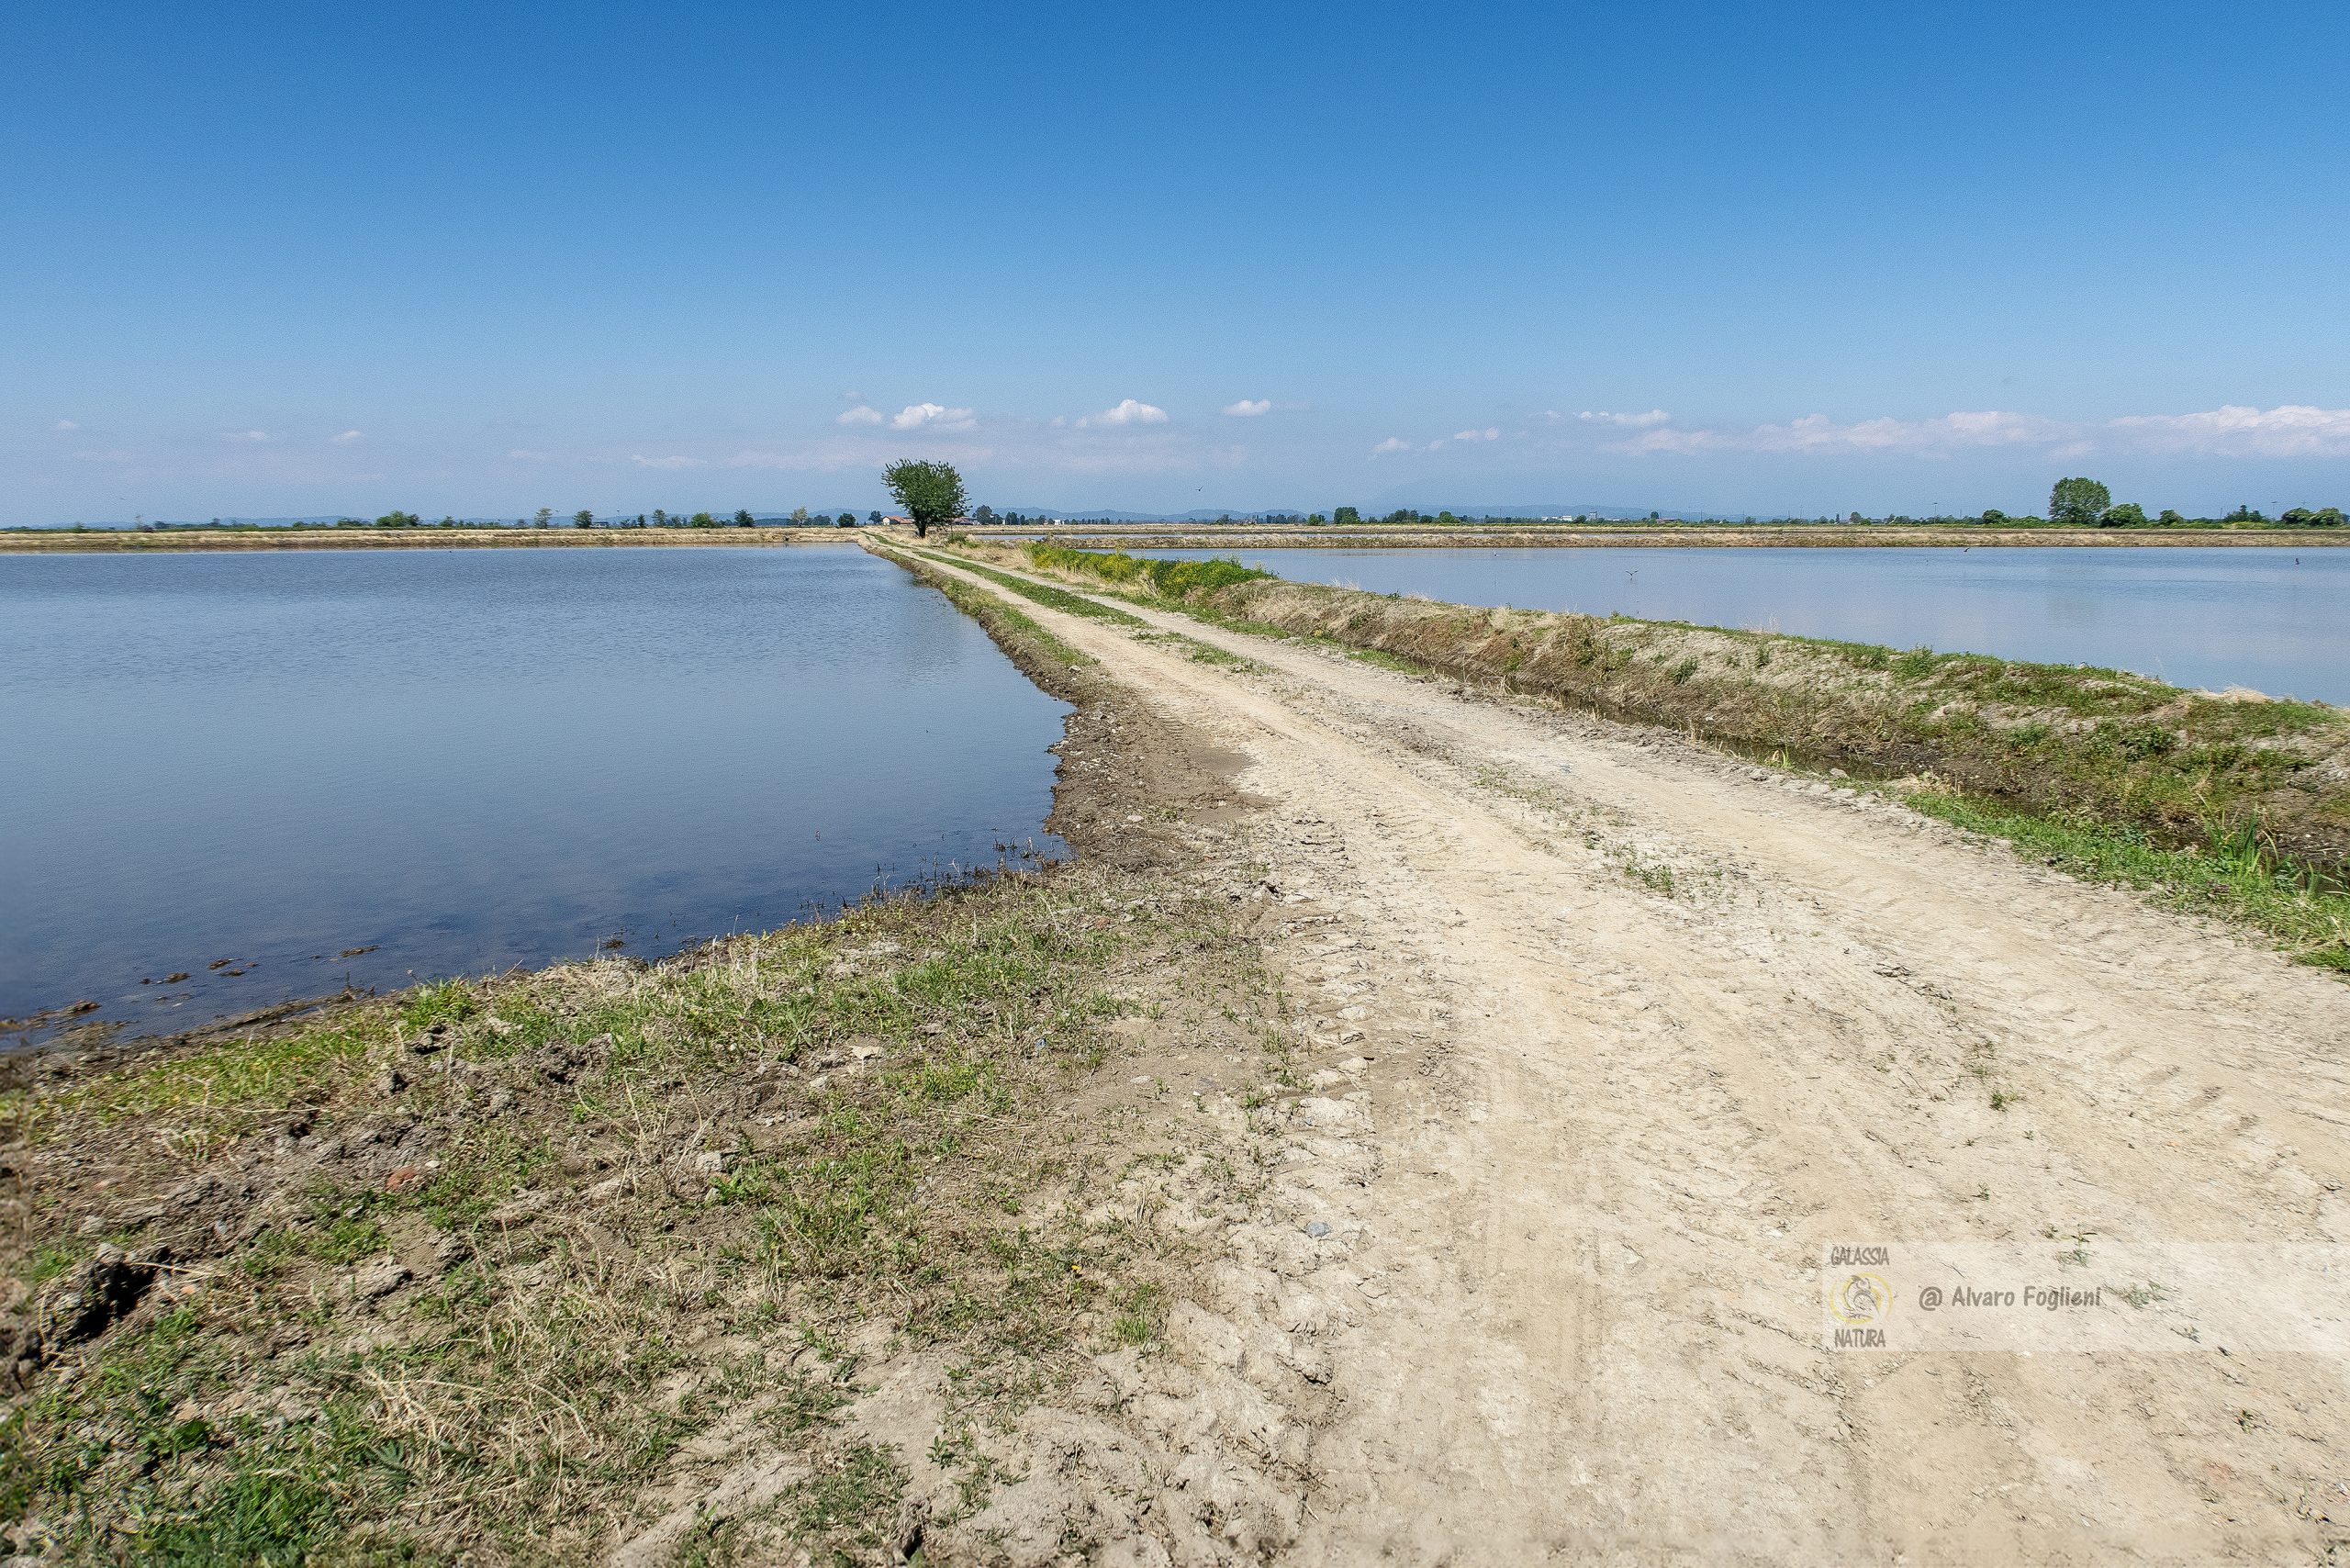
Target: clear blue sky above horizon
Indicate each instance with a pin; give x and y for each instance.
(278, 259)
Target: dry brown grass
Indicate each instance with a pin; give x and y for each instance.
(618, 1206)
(2186, 768)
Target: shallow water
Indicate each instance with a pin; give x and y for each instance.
(2273, 620)
(467, 760)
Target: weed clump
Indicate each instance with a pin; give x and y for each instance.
(1169, 579)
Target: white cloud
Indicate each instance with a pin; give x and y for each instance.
(1249, 407)
(1392, 444)
(345, 439)
(931, 416)
(667, 461)
(244, 435)
(1127, 412)
(860, 415)
(524, 455)
(2235, 430)
(788, 460)
(1490, 433)
(66, 425)
(1818, 433)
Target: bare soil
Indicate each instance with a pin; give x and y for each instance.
(1614, 1033)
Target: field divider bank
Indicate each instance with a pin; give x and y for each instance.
(2231, 803)
(1609, 1034)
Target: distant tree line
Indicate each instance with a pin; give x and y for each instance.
(657, 517)
(931, 494)
(2072, 503)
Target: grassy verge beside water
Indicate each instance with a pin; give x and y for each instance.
(512, 1270)
(459, 1275)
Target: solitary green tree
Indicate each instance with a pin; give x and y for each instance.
(545, 516)
(847, 520)
(932, 493)
(874, 518)
(743, 517)
(1345, 517)
(583, 518)
(2078, 503)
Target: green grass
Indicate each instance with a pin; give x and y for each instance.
(227, 1086)
(1051, 598)
(1200, 652)
(1092, 609)
(1140, 1316)
(1169, 579)
(1380, 657)
(2232, 876)
(851, 1504)
(198, 1490)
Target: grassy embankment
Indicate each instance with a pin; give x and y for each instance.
(2232, 803)
(492, 1270)
(982, 606)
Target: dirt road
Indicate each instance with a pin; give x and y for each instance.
(1613, 1034)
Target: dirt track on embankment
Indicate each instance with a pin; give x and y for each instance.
(1613, 1034)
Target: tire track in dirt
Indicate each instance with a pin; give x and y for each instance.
(1681, 1022)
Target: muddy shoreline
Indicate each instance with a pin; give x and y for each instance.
(1119, 760)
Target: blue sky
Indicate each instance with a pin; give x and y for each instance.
(285, 260)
